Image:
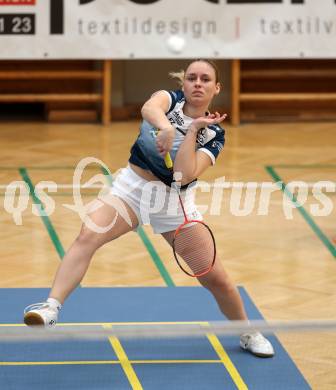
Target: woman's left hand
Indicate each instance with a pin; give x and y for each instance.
(204, 121)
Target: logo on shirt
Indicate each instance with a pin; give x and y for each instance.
(177, 118)
(201, 136)
(218, 145)
(205, 135)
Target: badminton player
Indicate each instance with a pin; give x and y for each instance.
(194, 138)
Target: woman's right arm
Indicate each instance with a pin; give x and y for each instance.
(154, 112)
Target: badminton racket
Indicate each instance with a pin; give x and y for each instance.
(194, 245)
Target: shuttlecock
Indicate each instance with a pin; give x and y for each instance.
(176, 43)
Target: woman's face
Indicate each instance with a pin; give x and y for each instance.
(200, 84)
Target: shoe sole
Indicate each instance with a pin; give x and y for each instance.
(33, 319)
(262, 355)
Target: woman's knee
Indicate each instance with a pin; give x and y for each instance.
(89, 238)
(217, 282)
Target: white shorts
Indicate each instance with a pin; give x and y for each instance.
(153, 202)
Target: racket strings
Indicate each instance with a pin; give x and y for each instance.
(195, 248)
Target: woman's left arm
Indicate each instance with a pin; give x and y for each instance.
(189, 162)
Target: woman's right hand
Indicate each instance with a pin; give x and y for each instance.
(164, 140)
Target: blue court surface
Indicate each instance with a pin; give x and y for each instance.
(208, 362)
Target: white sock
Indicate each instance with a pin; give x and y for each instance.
(253, 331)
(54, 303)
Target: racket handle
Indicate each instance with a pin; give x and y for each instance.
(168, 161)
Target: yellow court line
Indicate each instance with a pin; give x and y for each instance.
(175, 361)
(225, 359)
(118, 323)
(97, 362)
(125, 363)
(82, 362)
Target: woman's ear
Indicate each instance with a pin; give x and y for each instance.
(218, 88)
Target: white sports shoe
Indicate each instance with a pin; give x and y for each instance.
(42, 314)
(257, 344)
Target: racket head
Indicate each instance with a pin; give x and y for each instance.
(194, 248)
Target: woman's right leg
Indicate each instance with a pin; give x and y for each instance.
(77, 259)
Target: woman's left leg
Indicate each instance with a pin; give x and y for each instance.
(218, 282)
(226, 294)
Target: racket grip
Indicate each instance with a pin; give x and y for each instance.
(168, 161)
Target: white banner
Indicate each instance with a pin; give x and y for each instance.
(121, 29)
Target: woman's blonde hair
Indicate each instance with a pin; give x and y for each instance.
(179, 76)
